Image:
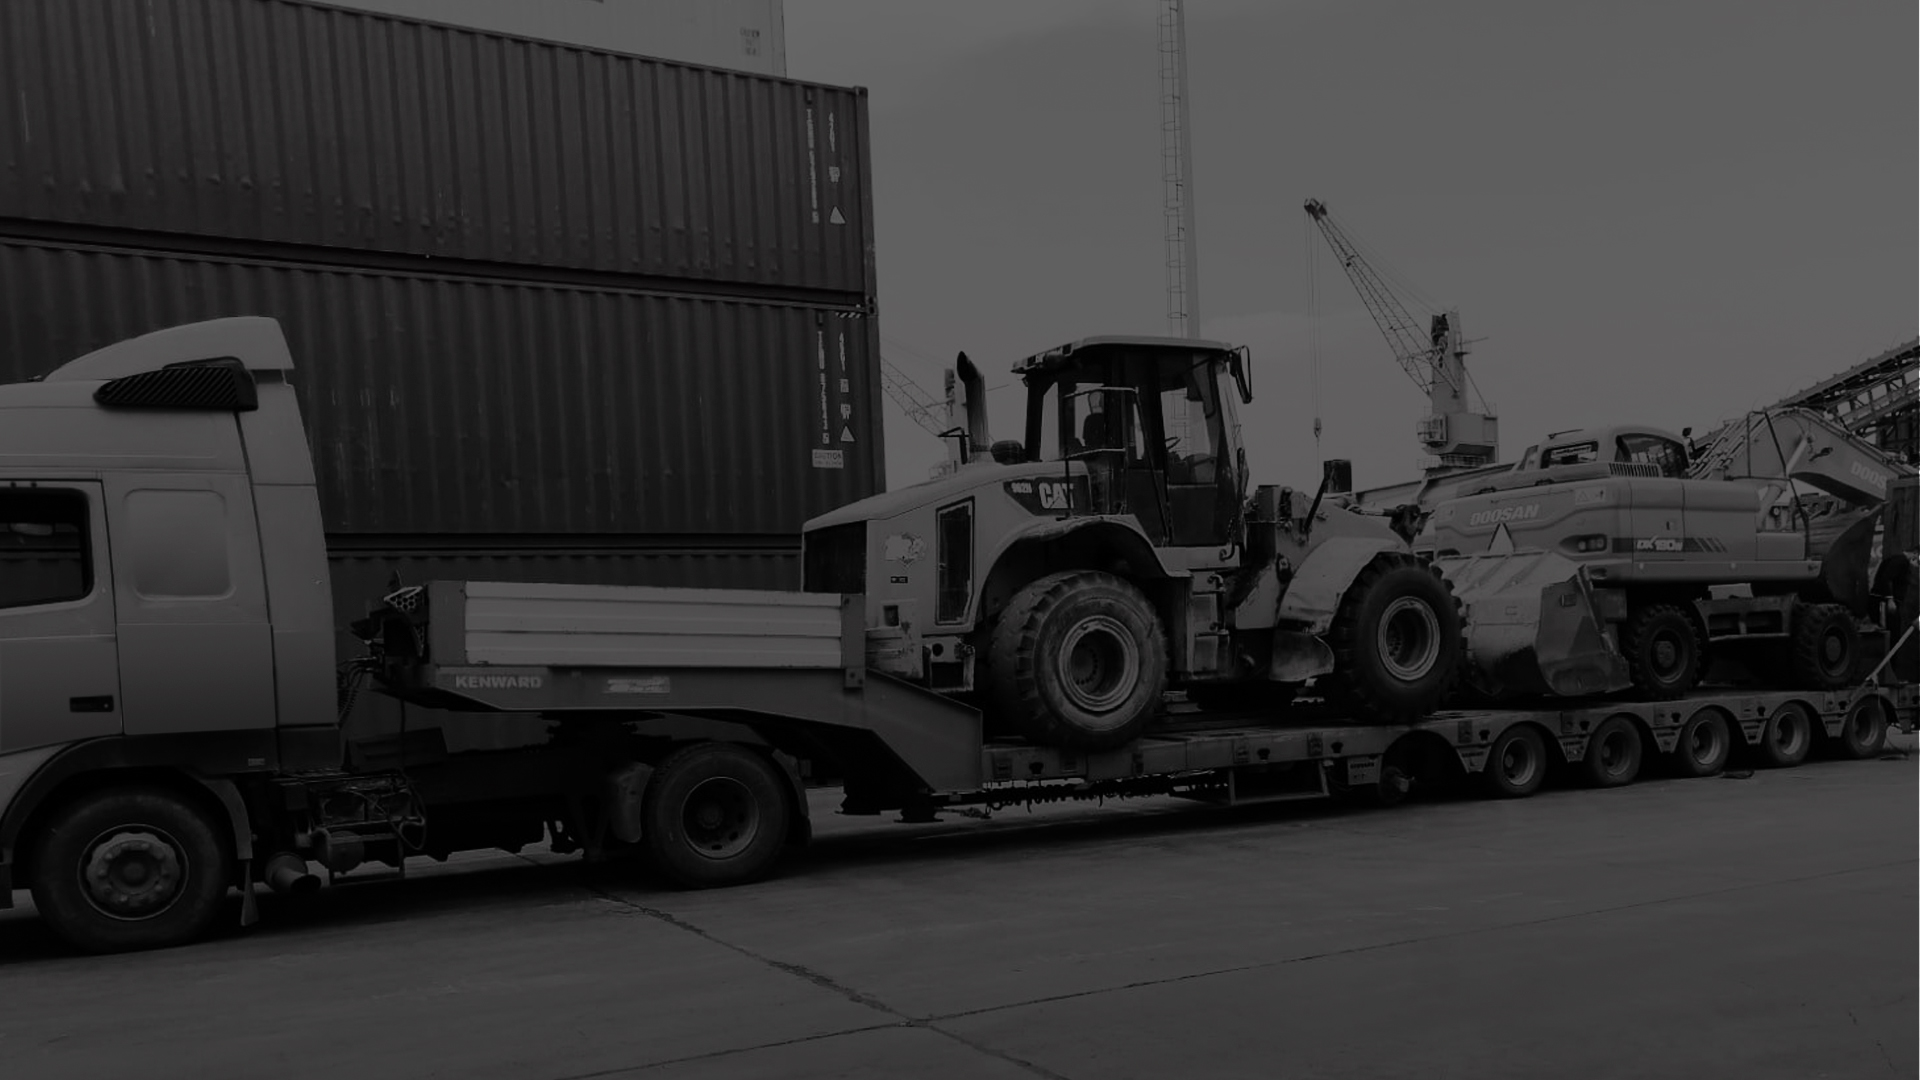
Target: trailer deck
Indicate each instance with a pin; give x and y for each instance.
(792, 667)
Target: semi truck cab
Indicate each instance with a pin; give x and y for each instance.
(165, 612)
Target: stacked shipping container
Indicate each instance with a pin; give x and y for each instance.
(558, 313)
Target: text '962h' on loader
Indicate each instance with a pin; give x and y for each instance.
(1067, 580)
(1618, 558)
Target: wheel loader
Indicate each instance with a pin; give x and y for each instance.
(1067, 579)
(1628, 557)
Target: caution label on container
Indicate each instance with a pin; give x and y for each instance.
(829, 459)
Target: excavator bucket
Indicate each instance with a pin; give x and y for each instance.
(1533, 626)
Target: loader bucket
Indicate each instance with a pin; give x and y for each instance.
(1533, 627)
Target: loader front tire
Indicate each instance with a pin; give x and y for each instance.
(1663, 652)
(1398, 642)
(1078, 660)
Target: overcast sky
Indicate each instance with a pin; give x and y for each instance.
(1657, 211)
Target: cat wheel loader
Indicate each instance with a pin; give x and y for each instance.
(1620, 558)
(1067, 579)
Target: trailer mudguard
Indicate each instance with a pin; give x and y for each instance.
(1313, 595)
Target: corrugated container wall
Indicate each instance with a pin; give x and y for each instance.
(289, 122)
(746, 35)
(441, 404)
(543, 298)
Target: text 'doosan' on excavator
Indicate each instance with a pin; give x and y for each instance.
(1602, 561)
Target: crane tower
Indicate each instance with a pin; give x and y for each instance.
(1176, 167)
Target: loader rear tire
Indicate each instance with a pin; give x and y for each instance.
(1826, 647)
(1663, 652)
(1078, 660)
(1398, 642)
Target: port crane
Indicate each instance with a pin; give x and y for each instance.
(1455, 434)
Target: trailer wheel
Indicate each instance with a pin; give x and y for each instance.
(130, 869)
(1663, 652)
(1787, 738)
(1397, 640)
(1614, 754)
(1863, 734)
(1079, 659)
(1706, 742)
(715, 814)
(1516, 763)
(1825, 649)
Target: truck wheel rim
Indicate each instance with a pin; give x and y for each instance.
(721, 818)
(1833, 652)
(1862, 722)
(1706, 742)
(133, 872)
(1667, 655)
(1614, 753)
(1409, 639)
(1099, 664)
(1788, 732)
(1519, 761)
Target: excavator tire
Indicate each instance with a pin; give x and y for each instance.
(1825, 649)
(1078, 660)
(1398, 641)
(1664, 654)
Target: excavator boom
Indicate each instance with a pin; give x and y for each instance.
(1799, 444)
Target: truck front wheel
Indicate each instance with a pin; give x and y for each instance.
(1079, 659)
(136, 868)
(1397, 642)
(715, 814)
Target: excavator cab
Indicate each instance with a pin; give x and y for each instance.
(1145, 428)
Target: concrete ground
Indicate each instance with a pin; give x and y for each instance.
(1761, 927)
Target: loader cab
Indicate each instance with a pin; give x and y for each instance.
(1152, 425)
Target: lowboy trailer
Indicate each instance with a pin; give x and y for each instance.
(168, 733)
(790, 668)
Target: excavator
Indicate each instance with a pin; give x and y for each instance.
(1627, 557)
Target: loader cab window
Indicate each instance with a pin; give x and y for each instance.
(1078, 418)
(1666, 455)
(1201, 431)
(43, 547)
